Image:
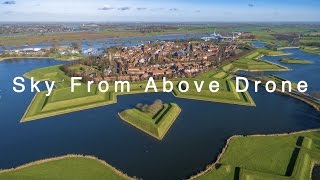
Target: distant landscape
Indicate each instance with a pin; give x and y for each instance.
(192, 123)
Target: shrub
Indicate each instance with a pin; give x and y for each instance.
(156, 106)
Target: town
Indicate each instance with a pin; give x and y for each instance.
(165, 59)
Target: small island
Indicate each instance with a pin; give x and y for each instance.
(155, 119)
(294, 61)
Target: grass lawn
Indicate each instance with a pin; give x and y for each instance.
(295, 61)
(71, 167)
(155, 124)
(289, 156)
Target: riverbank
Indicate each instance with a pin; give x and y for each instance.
(71, 167)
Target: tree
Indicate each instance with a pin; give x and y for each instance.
(156, 106)
(54, 48)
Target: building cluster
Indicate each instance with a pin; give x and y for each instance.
(167, 59)
(25, 28)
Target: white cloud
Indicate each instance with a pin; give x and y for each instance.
(139, 10)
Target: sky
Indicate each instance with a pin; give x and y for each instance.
(159, 11)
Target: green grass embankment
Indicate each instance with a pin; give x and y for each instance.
(294, 61)
(252, 62)
(226, 94)
(267, 52)
(277, 157)
(313, 50)
(154, 125)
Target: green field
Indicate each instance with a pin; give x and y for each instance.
(71, 167)
(294, 61)
(155, 124)
(273, 157)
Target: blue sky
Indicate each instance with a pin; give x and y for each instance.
(160, 11)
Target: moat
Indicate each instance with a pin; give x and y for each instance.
(193, 141)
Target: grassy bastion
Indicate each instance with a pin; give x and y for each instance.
(252, 62)
(155, 123)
